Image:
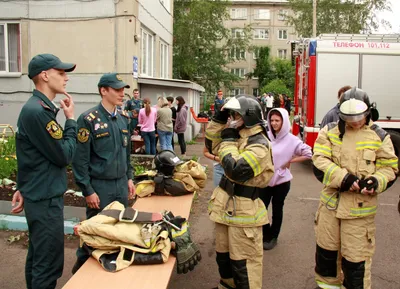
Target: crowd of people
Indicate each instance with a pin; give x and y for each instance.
(252, 148)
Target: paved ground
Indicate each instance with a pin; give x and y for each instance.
(288, 266)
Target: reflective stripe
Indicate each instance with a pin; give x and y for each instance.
(327, 176)
(394, 163)
(323, 149)
(363, 212)
(246, 219)
(327, 199)
(182, 231)
(327, 286)
(213, 136)
(383, 180)
(334, 138)
(226, 151)
(368, 145)
(252, 161)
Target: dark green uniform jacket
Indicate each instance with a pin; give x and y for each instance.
(44, 149)
(103, 150)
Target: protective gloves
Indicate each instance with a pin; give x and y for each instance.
(368, 183)
(347, 182)
(187, 253)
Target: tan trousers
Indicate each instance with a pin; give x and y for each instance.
(353, 239)
(245, 249)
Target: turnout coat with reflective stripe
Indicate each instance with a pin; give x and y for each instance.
(363, 153)
(246, 161)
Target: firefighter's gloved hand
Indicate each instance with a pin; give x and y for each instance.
(221, 116)
(348, 182)
(230, 134)
(369, 184)
(187, 253)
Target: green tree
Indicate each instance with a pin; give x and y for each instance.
(203, 46)
(285, 71)
(337, 16)
(277, 86)
(264, 69)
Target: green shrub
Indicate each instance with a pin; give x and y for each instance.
(8, 158)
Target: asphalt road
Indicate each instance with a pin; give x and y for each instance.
(288, 266)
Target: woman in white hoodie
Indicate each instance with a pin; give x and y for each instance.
(286, 149)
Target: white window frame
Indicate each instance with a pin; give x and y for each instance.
(237, 90)
(256, 53)
(164, 59)
(262, 14)
(238, 13)
(6, 72)
(282, 14)
(241, 72)
(147, 54)
(261, 33)
(282, 53)
(281, 33)
(236, 31)
(238, 54)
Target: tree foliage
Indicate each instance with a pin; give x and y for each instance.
(337, 16)
(264, 69)
(202, 44)
(277, 86)
(285, 71)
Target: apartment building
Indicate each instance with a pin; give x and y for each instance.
(132, 38)
(269, 29)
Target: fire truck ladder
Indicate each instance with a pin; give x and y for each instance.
(387, 38)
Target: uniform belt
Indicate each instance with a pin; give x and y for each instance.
(234, 189)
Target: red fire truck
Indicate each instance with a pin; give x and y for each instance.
(329, 62)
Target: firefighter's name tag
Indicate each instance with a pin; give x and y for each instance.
(103, 134)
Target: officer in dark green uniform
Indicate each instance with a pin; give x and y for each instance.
(102, 166)
(44, 149)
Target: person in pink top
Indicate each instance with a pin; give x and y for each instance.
(286, 149)
(147, 120)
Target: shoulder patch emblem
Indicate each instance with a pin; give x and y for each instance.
(83, 135)
(54, 130)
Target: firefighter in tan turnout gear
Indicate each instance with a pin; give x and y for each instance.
(245, 155)
(355, 160)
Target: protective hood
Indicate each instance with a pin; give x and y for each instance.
(285, 124)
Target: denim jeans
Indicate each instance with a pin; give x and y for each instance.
(165, 138)
(218, 173)
(149, 142)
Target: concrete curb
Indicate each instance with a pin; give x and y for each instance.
(18, 223)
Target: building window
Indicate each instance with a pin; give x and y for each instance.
(147, 53)
(282, 15)
(282, 53)
(282, 34)
(237, 33)
(10, 47)
(163, 60)
(261, 14)
(256, 53)
(239, 72)
(239, 54)
(255, 92)
(261, 33)
(237, 91)
(239, 13)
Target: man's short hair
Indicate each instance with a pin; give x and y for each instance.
(135, 90)
(343, 90)
(170, 99)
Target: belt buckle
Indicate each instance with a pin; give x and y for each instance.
(126, 220)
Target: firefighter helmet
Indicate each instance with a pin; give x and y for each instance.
(166, 161)
(354, 105)
(248, 107)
